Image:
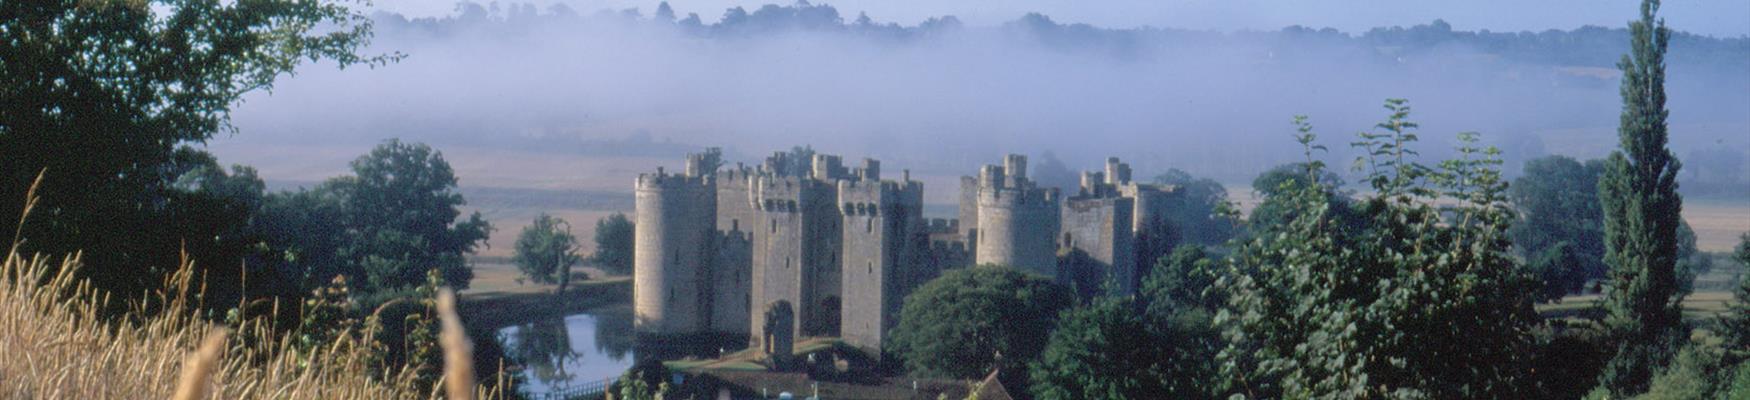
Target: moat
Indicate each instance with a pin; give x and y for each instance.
(557, 353)
(580, 348)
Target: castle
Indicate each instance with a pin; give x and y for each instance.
(716, 248)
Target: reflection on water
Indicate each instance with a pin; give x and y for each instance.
(581, 348)
(558, 353)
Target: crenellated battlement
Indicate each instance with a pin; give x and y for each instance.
(717, 244)
(942, 225)
(662, 180)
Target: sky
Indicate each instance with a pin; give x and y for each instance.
(1708, 17)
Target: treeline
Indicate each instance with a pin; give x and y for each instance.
(103, 108)
(1587, 46)
(1424, 286)
(1421, 287)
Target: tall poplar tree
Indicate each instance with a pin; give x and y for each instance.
(1641, 207)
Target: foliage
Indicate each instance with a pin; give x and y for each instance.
(1199, 219)
(970, 320)
(1411, 302)
(1641, 216)
(545, 253)
(1110, 350)
(1559, 271)
(1557, 200)
(1570, 353)
(1276, 209)
(99, 95)
(1700, 370)
(1183, 280)
(401, 210)
(613, 244)
(1735, 322)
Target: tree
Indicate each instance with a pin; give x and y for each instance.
(1286, 178)
(613, 244)
(1557, 201)
(970, 320)
(401, 210)
(1180, 281)
(664, 13)
(1559, 271)
(1412, 301)
(98, 96)
(1110, 350)
(1198, 219)
(1641, 216)
(545, 253)
(1735, 324)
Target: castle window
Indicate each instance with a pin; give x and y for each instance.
(869, 225)
(774, 225)
(871, 268)
(677, 258)
(735, 224)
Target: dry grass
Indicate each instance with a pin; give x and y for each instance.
(57, 344)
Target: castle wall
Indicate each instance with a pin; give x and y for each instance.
(1149, 221)
(732, 280)
(797, 253)
(969, 212)
(671, 253)
(1016, 227)
(883, 240)
(1100, 228)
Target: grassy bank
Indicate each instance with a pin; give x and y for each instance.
(498, 309)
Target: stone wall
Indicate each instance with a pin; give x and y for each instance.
(1100, 228)
(671, 253)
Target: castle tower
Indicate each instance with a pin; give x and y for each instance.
(884, 240)
(1017, 220)
(672, 253)
(1097, 230)
(796, 258)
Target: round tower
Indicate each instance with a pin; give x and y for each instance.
(1017, 228)
(672, 247)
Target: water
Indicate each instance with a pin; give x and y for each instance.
(579, 348)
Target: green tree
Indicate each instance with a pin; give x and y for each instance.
(613, 244)
(1198, 218)
(1275, 209)
(1735, 323)
(98, 95)
(545, 252)
(1641, 217)
(1182, 280)
(1412, 302)
(970, 320)
(1110, 350)
(401, 210)
(1559, 270)
(1557, 200)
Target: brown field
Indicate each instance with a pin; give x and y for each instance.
(1717, 224)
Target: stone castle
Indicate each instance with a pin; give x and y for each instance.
(717, 248)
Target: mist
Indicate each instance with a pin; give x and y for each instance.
(940, 96)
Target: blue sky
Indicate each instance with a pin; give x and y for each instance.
(1710, 17)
